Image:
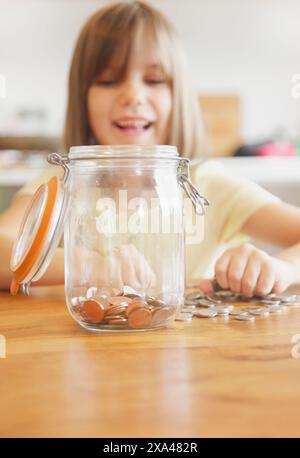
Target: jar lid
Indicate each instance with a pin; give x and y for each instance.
(39, 235)
(124, 151)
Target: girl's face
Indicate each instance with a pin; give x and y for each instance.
(136, 109)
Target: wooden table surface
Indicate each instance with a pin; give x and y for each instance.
(211, 377)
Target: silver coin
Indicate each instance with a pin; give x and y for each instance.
(243, 317)
(291, 304)
(91, 292)
(253, 308)
(223, 310)
(284, 299)
(206, 303)
(227, 294)
(194, 296)
(263, 312)
(188, 309)
(269, 302)
(207, 313)
(213, 299)
(188, 302)
(184, 317)
(237, 312)
(275, 308)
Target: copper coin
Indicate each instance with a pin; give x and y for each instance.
(161, 314)
(134, 305)
(139, 318)
(93, 310)
(102, 300)
(119, 300)
(156, 302)
(116, 292)
(105, 291)
(117, 320)
(114, 310)
(133, 296)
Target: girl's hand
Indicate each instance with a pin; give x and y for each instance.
(250, 271)
(124, 265)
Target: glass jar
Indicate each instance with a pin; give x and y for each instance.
(121, 209)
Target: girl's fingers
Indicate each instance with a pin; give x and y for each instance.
(250, 277)
(221, 269)
(265, 281)
(128, 268)
(236, 269)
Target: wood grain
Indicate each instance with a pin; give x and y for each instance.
(206, 378)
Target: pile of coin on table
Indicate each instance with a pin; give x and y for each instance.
(127, 309)
(222, 303)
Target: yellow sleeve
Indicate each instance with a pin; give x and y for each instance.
(30, 187)
(233, 200)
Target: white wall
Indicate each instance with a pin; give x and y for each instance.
(250, 47)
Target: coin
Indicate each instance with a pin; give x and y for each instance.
(222, 309)
(134, 305)
(129, 290)
(262, 312)
(102, 300)
(207, 313)
(252, 308)
(188, 302)
(238, 312)
(205, 303)
(161, 314)
(194, 296)
(184, 317)
(269, 302)
(114, 310)
(117, 320)
(105, 291)
(214, 299)
(119, 300)
(275, 308)
(93, 310)
(92, 291)
(139, 318)
(244, 317)
(156, 302)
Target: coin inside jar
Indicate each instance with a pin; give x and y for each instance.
(114, 310)
(93, 310)
(161, 314)
(134, 305)
(119, 300)
(139, 318)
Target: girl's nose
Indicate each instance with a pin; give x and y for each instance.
(132, 93)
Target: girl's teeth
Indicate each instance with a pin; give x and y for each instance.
(134, 124)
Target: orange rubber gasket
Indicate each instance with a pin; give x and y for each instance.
(34, 251)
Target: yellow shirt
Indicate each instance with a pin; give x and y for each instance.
(232, 201)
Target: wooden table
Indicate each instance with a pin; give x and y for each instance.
(211, 377)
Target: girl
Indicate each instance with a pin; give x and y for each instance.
(128, 85)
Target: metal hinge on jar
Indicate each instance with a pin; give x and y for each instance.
(199, 202)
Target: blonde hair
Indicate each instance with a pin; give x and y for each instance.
(101, 41)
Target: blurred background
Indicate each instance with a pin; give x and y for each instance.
(245, 63)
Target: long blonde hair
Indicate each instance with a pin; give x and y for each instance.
(111, 32)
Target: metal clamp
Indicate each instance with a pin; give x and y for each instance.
(199, 202)
(57, 159)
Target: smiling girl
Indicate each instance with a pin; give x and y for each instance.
(129, 85)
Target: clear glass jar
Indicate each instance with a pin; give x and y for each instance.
(123, 235)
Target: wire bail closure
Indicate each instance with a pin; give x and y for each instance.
(57, 159)
(199, 202)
